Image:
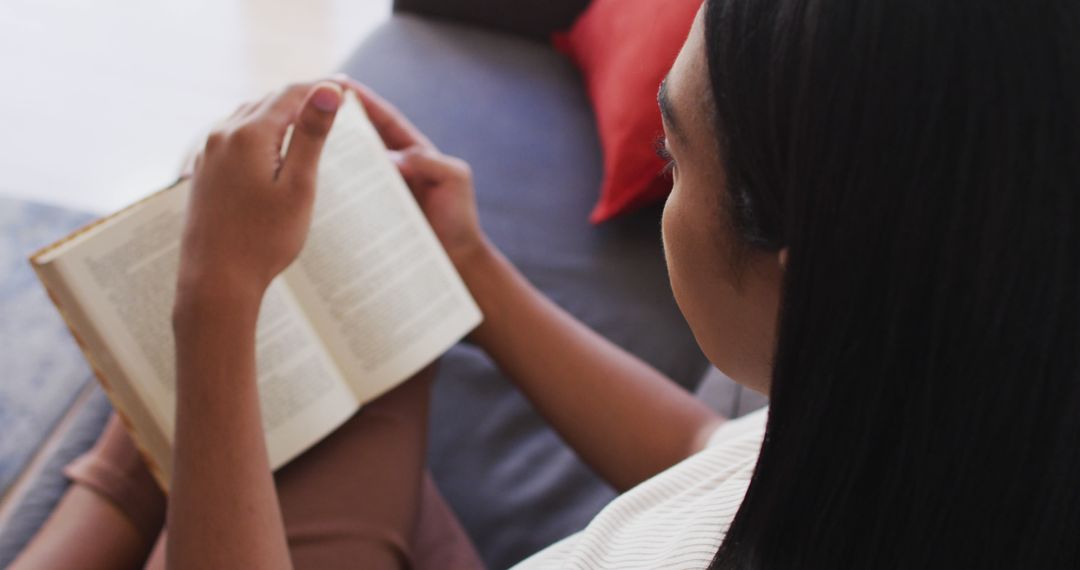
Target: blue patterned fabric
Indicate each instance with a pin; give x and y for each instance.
(37, 500)
(41, 368)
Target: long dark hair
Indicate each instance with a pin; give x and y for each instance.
(920, 161)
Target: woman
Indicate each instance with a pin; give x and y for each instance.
(874, 220)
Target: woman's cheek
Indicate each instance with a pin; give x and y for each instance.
(673, 226)
(666, 217)
(693, 249)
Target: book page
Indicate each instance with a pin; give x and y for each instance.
(125, 279)
(372, 277)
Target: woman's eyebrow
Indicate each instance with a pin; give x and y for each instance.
(666, 109)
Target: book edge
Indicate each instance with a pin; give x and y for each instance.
(88, 354)
(36, 258)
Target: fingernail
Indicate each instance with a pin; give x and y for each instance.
(327, 97)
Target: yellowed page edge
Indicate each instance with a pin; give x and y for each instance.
(139, 421)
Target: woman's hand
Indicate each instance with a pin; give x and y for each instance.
(247, 220)
(442, 184)
(250, 209)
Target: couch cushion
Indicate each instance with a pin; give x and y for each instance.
(518, 113)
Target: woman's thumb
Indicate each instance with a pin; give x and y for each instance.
(310, 130)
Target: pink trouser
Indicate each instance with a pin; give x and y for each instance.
(362, 491)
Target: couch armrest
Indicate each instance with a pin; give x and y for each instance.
(535, 19)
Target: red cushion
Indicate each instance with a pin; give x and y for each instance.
(624, 49)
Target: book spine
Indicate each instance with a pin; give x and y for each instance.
(103, 380)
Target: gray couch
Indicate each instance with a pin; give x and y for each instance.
(480, 79)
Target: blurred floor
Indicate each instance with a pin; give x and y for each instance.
(100, 100)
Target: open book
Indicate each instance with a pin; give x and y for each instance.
(371, 300)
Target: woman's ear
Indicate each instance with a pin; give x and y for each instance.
(782, 258)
